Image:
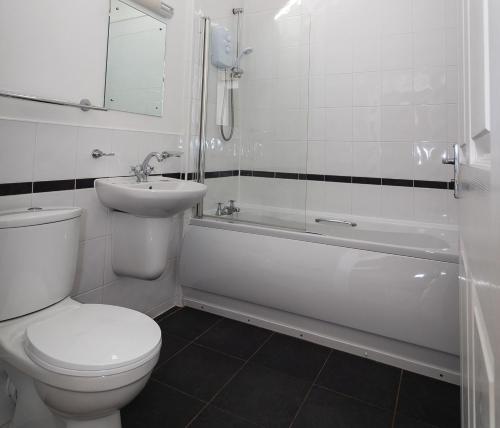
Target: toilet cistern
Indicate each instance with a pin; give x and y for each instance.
(144, 170)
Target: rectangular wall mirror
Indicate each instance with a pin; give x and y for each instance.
(112, 56)
(136, 61)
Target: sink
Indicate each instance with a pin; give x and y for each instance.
(158, 197)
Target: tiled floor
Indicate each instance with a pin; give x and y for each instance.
(215, 372)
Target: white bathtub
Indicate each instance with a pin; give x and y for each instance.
(384, 289)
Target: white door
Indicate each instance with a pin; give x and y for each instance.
(480, 215)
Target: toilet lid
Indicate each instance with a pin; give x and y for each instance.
(93, 338)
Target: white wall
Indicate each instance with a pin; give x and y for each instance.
(177, 68)
(364, 88)
(54, 49)
(43, 143)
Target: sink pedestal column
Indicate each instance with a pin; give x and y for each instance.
(139, 245)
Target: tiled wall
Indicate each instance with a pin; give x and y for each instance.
(220, 155)
(47, 165)
(361, 89)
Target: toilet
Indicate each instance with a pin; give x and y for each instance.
(64, 364)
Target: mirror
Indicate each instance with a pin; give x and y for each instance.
(136, 61)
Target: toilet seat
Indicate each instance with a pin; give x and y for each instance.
(93, 340)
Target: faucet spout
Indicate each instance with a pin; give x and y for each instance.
(144, 170)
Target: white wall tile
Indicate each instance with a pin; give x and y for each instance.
(428, 14)
(428, 165)
(366, 89)
(430, 205)
(317, 124)
(317, 98)
(141, 295)
(366, 159)
(17, 143)
(366, 53)
(90, 269)
(397, 52)
(88, 140)
(366, 200)
(397, 202)
(315, 196)
(95, 218)
(338, 55)
(338, 197)
(397, 87)
(431, 123)
(366, 124)
(396, 16)
(397, 160)
(14, 202)
(398, 123)
(339, 124)
(452, 123)
(338, 90)
(65, 198)
(338, 158)
(430, 85)
(316, 161)
(451, 46)
(55, 152)
(429, 48)
(451, 84)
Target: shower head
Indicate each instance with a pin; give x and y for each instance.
(237, 71)
(246, 51)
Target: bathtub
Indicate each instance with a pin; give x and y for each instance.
(387, 290)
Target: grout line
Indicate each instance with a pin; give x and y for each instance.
(351, 397)
(396, 404)
(229, 381)
(187, 344)
(310, 388)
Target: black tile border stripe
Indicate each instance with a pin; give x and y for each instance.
(12, 189)
(367, 180)
(53, 186)
(430, 184)
(396, 182)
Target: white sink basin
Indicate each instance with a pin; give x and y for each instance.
(159, 197)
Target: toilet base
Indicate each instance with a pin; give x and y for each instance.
(110, 421)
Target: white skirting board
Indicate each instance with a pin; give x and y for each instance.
(406, 356)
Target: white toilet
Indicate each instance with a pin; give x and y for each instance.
(67, 364)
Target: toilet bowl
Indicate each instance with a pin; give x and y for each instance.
(72, 365)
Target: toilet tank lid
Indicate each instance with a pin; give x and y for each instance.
(35, 216)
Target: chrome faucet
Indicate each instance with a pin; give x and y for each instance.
(226, 210)
(143, 171)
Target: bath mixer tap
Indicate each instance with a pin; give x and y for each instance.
(226, 210)
(143, 171)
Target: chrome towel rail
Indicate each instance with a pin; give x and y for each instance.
(334, 221)
(84, 104)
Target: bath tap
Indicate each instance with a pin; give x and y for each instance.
(144, 170)
(226, 210)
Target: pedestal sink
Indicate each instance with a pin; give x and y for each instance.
(142, 223)
(158, 197)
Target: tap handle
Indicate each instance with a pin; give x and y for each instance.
(220, 208)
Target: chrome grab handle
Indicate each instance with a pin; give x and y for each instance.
(96, 154)
(455, 161)
(331, 220)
